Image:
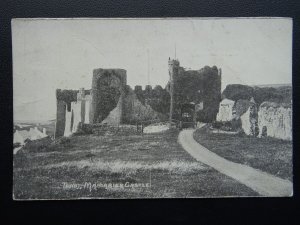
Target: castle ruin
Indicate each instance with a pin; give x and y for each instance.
(111, 101)
(201, 87)
(268, 114)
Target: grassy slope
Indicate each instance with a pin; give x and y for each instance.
(267, 154)
(174, 173)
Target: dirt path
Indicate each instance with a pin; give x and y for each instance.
(261, 182)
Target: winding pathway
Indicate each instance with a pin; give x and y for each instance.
(263, 183)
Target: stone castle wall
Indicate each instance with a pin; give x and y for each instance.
(61, 107)
(111, 101)
(225, 110)
(270, 119)
(68, 123)
(64, 98)
(78, 113)
(87, 109)
(136, 111)
(203, 85)
(249, 121)
(275, 120)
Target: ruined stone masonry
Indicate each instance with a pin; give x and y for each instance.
(225, 110)
(250, 119)
(77, 113)
(269, 119)
(201, 86)
(60, 117)
(112, 102)
(138, 109)
(275, 120)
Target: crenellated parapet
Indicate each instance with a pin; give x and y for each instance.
(138, 88)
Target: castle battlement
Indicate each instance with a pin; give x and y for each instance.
(138, 88)
(173, 62)
(148, 87)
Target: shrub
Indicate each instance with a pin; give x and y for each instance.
(64, 141)
(87, 128)
(217, 124)
(236, 124)
(233, 125)
(261, 94)
(37, 145)
(84, 129)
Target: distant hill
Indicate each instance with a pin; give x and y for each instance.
(273, 93)
(34, 122)
(273, 85)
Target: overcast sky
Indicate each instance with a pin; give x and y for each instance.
(51, 54)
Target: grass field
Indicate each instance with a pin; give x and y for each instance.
(153, 165)
(267, 154)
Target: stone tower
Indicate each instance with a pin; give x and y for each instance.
(173, 72)
(108, 91)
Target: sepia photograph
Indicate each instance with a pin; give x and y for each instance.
(146, 108)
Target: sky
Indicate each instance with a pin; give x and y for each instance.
(61, 53)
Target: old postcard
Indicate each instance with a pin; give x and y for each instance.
(152, 108)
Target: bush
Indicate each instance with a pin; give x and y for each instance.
(39, 145)
(64, 141)
(236, 124)
(261, 94)
(217, 124)
(233, 125)
(85, 128)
